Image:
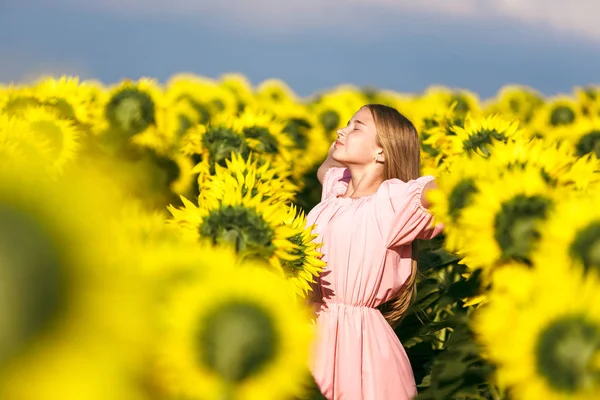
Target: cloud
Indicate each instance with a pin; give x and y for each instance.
(575, 17)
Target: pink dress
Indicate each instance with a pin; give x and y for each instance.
(366, 244)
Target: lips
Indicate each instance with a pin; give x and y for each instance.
(338, 143)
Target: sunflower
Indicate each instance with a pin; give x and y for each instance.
(251, 178)
(516, 102)
(462, 102)
(307, 264)
(227, 216)
(130, 108)
(480, 134)
(18, 146)
(436, 135)
(557, 162)
(589, 99)
(502, 222)
(585, 137)
(70, 327)
(335, 108)
(241, 88)
(457, 185)
(71, 98)
(211, 145)
(60, 137)
(557, 117)
(542, 330)
(205, 96)
(264, 134)
(572, 233)
(238, 334)
(275, 91)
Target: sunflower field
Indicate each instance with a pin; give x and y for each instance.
(153, 241)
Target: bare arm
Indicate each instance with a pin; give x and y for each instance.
(328, 163)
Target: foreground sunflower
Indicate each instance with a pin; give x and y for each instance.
(542, 330)
(237, 334)
(306, 265)
(252, 226)
(502, 222)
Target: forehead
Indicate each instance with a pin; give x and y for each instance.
(364, 115)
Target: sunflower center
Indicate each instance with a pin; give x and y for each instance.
(268, 142)
(462, 105)
(461, 196)
(32, 291)
(562, 115)
(565, 354)
(515, 225)
(586, 246)
(220, 142)
(330, 119)
(297, 129)
(131, 111)
(589, 143)
(242, 227)
(49, 130)
(292, 267)
(483, 138)
(240, 339)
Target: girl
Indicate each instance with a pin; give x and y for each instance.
(372, 208)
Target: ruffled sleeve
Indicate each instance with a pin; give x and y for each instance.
(403, 215)
(332, 176)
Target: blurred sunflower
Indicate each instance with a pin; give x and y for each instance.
(502, 222)
(333, 109)
(557, 162)
(542, 330)
(275, 91)
(66, 323)
(241, 88)
(60, 138)
(572, 233)
(515, 102)
(589, 98)
(457, 185)
(205, 96)
(130, 108)
(252, 226)
(557, 117)
(585, 137)
(307, 263)
(238, 334)
(462, 102)
(72, 98)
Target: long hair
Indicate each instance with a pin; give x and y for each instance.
(401, 148)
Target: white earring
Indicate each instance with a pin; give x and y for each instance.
(377, 158)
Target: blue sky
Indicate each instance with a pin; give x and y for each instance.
(312, 45)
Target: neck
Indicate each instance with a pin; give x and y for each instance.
(365, 180)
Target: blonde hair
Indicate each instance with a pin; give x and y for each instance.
(401, 149)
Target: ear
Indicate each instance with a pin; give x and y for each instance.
(381, 155)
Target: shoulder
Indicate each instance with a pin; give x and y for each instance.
(400, 193)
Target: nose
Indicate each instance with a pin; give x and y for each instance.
(341, 132)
